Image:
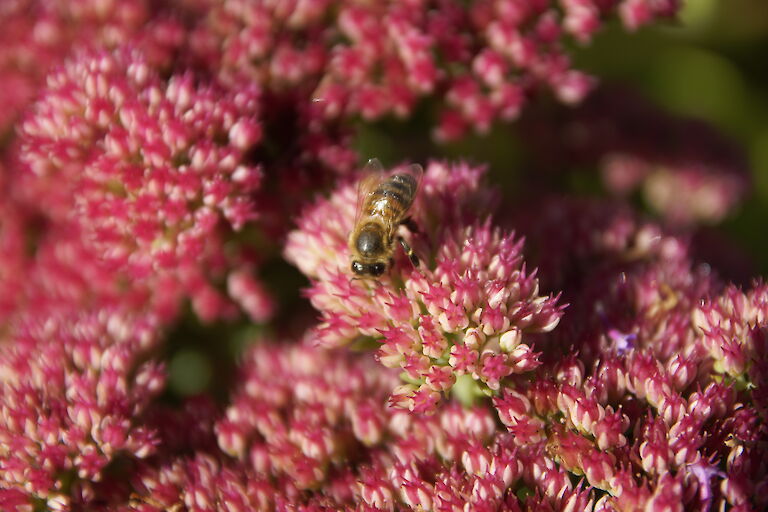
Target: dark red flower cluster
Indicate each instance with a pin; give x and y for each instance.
(686, 171)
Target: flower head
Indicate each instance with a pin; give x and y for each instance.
(151, 170)
(372, 60)
(74, 389)
(630, 283)
(731, 329)
(308, 426)
(35, 35)
(465, 312)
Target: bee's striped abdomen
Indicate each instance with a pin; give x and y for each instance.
(393, 197)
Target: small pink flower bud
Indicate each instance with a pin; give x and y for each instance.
(510, 340)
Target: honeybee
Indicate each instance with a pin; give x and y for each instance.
(382, 206)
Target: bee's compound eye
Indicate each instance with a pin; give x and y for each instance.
(358, 268)
(377, 269)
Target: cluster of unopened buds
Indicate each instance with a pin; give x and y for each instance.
(175, 173)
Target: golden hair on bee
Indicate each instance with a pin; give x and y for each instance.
(382, 206)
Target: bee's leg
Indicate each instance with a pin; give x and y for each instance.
(407, 248)
(409, 223)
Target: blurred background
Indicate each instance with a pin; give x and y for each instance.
(712, 66)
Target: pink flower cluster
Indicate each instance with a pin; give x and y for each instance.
(153, 131)
(730, 328)
(467, 313)
(147, 169)
(658, 331)
(375, 59)
(309, 428)
(649, 434)
(640, 411)
(74, 389)
(35, 35)
(309, 431)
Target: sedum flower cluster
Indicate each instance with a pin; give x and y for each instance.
(374, 59)
(146, 170)
(650, 391)
(466, 313)
(184, 175)
(75, 391)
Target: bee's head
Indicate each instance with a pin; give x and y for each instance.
(368, 269)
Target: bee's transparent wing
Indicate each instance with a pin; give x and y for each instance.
(373, 174)
(416, 171)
